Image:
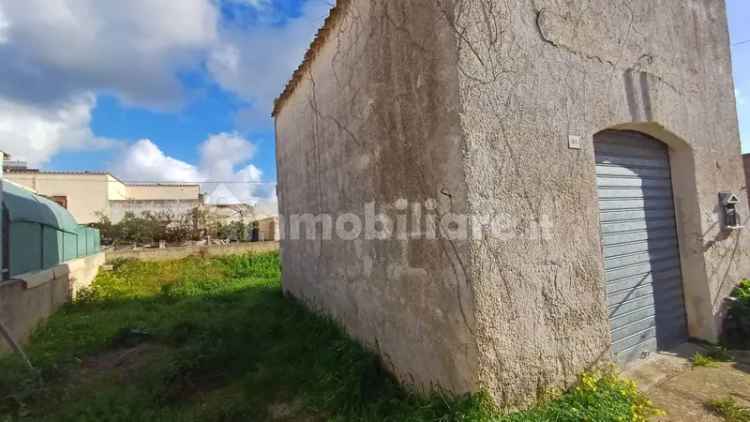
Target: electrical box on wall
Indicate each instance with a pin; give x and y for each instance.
(575, 142)
(730, 217)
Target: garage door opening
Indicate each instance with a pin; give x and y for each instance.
(643, 276)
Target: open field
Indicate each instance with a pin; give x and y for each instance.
(214, 339)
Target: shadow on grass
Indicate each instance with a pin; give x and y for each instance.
(224, 344)
(215, 340)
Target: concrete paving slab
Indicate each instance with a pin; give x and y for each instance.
(672, 383)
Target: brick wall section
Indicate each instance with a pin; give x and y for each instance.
(746, 163)
(168, 254)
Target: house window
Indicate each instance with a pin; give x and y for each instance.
(60, 200)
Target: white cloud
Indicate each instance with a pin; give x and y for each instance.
(256, 63)
(267, 207)
(223, 152)
(4, 26)
(258, 4)
(58, 55)
(144, 161)
(223, 171)
(134, 49)
(36, 134)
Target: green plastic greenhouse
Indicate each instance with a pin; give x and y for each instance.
(41, 234)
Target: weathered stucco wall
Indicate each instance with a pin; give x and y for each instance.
(29, 299)
(375, 119)
(535, 73)
(472, 103)
(268, 229)
(172, 253)
(152, 192)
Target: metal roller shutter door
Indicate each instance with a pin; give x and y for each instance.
(639, 243)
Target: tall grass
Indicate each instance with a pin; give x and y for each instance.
(215, 340)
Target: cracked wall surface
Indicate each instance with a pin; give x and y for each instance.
(471, 103)
(375, 119)
(532, 73)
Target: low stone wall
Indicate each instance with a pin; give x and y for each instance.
(168, 254)
(29, 299)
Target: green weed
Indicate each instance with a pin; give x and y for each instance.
(216, 340)
(699, 360)
(729, 410)
(736, 333)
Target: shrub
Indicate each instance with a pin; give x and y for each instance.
(599, 396)
(701, 360)
(737, 324)
(729, 410)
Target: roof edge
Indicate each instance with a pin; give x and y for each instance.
(337, 11)
(162, 184)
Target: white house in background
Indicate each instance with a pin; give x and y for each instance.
(266, 229)
(86, 195)
(232, 213)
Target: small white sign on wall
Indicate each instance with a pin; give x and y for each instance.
(574, 142)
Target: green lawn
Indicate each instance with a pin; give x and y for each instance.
(215, 340)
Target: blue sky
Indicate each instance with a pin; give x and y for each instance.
(739, 16)
(151, 90)
(210, 109)
(189, 101)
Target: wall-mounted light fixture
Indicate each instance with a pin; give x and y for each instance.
(731, 218)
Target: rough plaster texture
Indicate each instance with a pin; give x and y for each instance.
(472, 102)
(534, 73)
(29, 299)
(376, 119)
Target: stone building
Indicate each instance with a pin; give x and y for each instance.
(581, 146)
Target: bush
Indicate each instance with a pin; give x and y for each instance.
(702, 361)
(149, 227)
(737, 324)
(729, 410)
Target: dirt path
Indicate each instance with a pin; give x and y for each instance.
(682, 391)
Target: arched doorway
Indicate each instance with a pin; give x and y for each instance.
(643, 276)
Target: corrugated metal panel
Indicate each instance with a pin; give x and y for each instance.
(639, 243)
